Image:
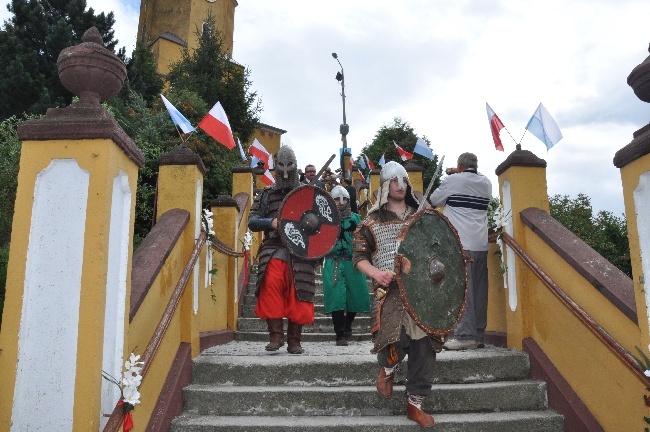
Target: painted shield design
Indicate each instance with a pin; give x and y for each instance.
(431, 272)
(309, 222)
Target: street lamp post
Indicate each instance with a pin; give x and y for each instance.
(344, 128)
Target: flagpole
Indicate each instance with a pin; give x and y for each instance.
(513, 138)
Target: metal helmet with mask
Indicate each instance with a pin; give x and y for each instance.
(393, 170)
(339, 193)
(286, 169)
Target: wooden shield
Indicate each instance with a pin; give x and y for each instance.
(431, 272)
(309, 222)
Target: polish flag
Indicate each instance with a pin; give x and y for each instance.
(256, 149)
(370, 165)
(216, 124)
(495, 126)
(403, 153)
(267, 178)
(363, 179)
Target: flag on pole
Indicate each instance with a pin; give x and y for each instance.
(363, 179)
(350, 162)
(382, 160)
(241, 150)
(362, 163)
(370, 165)
(423, 149)
(403, 153)
(254, 161)
(256, 149)
(544, 127)
(495, 126)
(267, 178)
(178, 118)
(216, 124)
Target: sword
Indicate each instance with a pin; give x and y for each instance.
(329, 161)
(433, 179)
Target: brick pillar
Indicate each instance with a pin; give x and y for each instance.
(69, 272)
(180, 185)
(522, 184)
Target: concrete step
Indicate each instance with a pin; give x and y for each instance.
(207, 399)
(241, 364)
(319, 311)
(306, 337)
(530, 421)
(250, 299)
(320, 325)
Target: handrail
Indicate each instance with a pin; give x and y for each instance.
(619, 351)
(115, 421)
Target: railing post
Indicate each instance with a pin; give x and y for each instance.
(415, 173)
(70, 260)
(522, 184)
(634, 162)
(180, 185)
(224, 210)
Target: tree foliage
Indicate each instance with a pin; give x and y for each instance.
(403, 134)
(604, 232)
(30, 43)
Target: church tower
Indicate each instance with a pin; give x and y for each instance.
(171, 25)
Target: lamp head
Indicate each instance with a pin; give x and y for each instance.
(335, 56)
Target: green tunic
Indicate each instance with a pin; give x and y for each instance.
(344, 287)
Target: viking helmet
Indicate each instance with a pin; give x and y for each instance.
(286, 169)
(393, 170)
(338, 193)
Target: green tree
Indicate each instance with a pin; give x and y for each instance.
(211, 74)
(142, 76)
(30, 43)
(604, 232)
(403, 134)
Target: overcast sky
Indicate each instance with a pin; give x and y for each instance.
(435, 64)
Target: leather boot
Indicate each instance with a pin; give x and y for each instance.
(338, 318)
(276, 334)
(349, 318)
(293, 338)
(419, 416)
(385, 385)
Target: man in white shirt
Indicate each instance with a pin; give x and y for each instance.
(465, 195)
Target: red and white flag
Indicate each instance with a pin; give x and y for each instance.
(370, 165)
(403, 153)
(267, 178)
(216, 124)
(495, 126)
(363, 179)
(256, 149)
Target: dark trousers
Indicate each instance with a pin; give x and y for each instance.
(420, 363)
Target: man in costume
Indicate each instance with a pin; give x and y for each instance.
(345, 290)
(285, 284)
(465, 194)
(395, 334)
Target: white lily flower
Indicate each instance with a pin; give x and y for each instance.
(131, 395)
(647, 373)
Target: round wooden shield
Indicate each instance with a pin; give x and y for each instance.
(431, 272)
(309, 222)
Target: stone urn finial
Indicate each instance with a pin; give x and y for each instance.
(639, 80)
(89, 70)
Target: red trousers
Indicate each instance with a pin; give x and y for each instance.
(277, 298)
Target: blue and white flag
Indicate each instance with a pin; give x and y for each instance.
(178, 118)
(362, 162)
(241, 150)
(543, 126)
(254, 162)
(382, 161)
(423, 149)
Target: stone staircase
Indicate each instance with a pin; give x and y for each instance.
(241, 387)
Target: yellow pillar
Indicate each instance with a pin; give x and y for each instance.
(224, 210)
(180, 185)
(415, 176)
(634, 162)
(373, 185)
(522, 184)
(67, 296)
